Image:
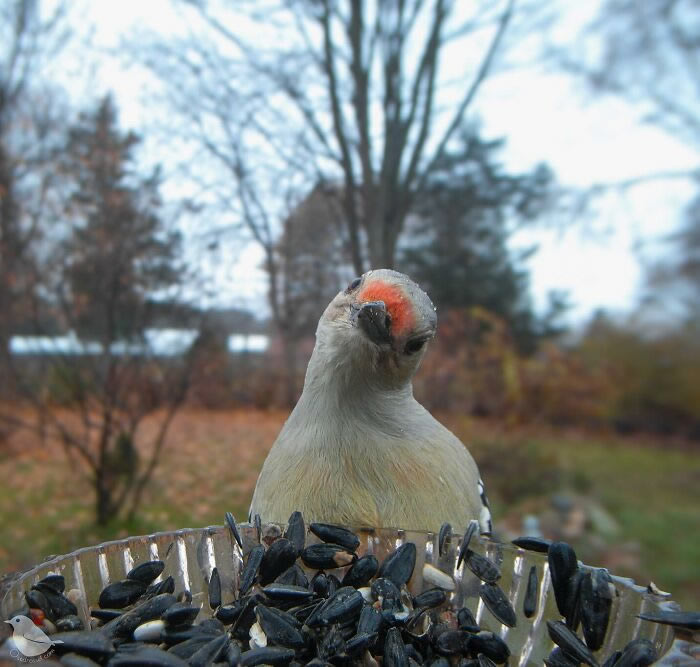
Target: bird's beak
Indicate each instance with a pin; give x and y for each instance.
(8, 622)
(373, 318)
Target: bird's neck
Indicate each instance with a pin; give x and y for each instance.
(352, 395)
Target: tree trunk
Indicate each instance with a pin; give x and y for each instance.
(103, 505)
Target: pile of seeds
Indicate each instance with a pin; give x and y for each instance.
(283, 615)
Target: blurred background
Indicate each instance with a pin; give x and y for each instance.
(185, 184)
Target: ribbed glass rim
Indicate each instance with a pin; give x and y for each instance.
(192, 553)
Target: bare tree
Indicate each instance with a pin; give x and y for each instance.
(108, 282)
(361, 98)
(312, 262)
(28, 41)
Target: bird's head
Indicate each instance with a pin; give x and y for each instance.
(379, 326)
(19, 622)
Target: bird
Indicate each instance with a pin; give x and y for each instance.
(30, 639)
(358, 449)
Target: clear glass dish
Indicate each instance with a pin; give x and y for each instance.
(191, 554)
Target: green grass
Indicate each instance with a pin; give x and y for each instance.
(650, 490)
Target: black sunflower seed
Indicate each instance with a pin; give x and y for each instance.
(75, 660)
(482, 567)
(90, 644)
(267, 655)
(490, 645)
(250, 569)
(444, 536)
(287, 592)
(296, 531)
(433, 597)
(319, 584)
(466, 539)
(361, 571)
(485, 661)
(59, 604)
(359, 643)
(123, 625)
(466, 620)
(209, 652)
(326, 556)
(214, 589)
(332, 645)
(398, 566)
(612, 659)
(280, 628)
(689, 620)
(498, 604)
(595, 598)
(165, 586)
(35, 599)
(231, 523)
(638, 653)
(537, 544)
(180, 613)
(56, 581)
(560, 658)
(530, 600)
(293, 576)
(562, 565)
(121, 594)
(370, 621)
(228, 613)
(345, 604)
(280, 555)
(106, 614)
(146, 572)
(189, 647)
(394, 650)
(454, 642)
(69, 623)
(572, 613)
(570, 643)
(257, 522)
(335, 535)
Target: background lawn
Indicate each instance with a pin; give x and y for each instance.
(634, 503)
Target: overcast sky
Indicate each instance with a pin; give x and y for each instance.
(544, 117)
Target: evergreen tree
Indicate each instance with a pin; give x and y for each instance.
(458, 247)
(119, 252)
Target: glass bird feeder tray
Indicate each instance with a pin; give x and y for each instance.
(191, 554)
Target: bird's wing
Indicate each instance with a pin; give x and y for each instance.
(485, 525)
(35, 635)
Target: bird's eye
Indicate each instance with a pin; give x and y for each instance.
(354, 284)
(414, 345)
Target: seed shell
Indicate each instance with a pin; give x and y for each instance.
(530, 601)
(398, 565)
(444, 536)
(569, 642)
(464, 546)
(498, 604)
(336, 535)
(231, 523)
(482, 567)
(326, 556)
(537, 544)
